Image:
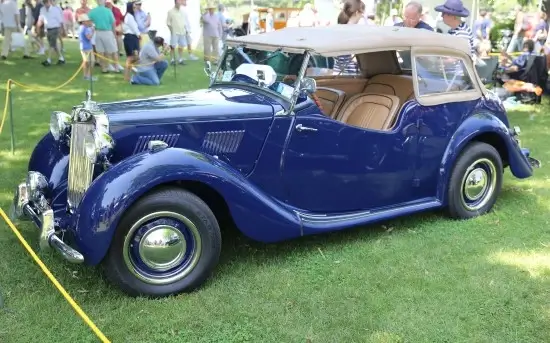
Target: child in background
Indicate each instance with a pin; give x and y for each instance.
(85, 35)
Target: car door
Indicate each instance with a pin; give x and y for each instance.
(447, 92)
(332, 167)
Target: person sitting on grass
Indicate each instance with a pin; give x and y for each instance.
(86, 32)
(515, 67)
(152, 64)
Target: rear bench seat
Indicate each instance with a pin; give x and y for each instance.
(398, 85)
(388, 93)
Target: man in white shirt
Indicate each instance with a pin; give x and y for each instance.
(10, 20)
(51, 17)
(178, 32)
(184, 13)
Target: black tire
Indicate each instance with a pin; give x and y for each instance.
(477, 162)
(125, 265)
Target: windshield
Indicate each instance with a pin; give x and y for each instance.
(266, 69)
(273, 70)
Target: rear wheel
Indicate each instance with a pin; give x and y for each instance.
(168, 242)
(475, 182)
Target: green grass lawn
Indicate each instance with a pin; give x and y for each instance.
(423, 278)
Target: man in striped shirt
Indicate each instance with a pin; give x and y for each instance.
(452, 12)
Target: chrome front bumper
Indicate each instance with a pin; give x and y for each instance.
(29, 203)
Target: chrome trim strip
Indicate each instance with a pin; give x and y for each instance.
(322, 218)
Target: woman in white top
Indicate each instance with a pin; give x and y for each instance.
(131, 38)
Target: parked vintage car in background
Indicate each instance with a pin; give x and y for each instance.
(142, 186)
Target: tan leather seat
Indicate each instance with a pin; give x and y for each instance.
(370, 111)
(331, 99)
(399, 85)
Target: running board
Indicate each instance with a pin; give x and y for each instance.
(312, 223)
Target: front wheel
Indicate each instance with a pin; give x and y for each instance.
(168, 242)
(475, 181)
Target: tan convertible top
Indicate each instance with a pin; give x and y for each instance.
(338, 40)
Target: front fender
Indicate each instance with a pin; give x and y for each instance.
(472, 128)
(256, 214)
(51, 159)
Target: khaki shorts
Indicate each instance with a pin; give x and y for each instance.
(211, 48)
(105, 42)
(88, 56)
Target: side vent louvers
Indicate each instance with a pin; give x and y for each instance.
(142, 141)
(222, 141)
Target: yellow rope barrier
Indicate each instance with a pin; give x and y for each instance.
(46, 89)
(52, 278)
(32, 87)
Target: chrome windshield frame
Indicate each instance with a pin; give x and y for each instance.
(298, 82)
(295, 93)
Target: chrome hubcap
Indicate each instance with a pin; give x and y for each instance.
(478, 184)
(162, 248)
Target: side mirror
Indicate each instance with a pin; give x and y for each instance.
(308, 85)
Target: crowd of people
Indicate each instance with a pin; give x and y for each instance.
(529, 36)
(105, 33)
(110, 31)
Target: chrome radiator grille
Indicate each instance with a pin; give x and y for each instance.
(81, 171)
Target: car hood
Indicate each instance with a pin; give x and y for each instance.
(207, 104)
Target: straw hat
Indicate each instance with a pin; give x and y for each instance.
(210, 5)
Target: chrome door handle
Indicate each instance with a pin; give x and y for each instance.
(301, 128)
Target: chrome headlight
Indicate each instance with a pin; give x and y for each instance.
(98, 145)
(60, 124)
(36, 185)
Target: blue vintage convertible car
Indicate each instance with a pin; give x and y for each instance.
(141, 186)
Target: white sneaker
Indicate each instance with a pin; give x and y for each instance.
(193, 57)
(111, 68)
(120, 68)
